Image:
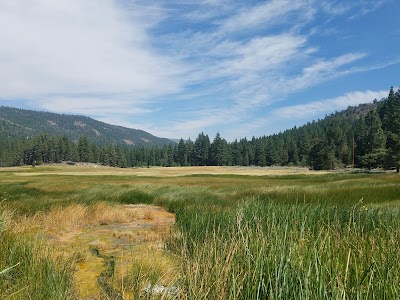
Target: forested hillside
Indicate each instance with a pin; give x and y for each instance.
(21, 123)
(367, 136)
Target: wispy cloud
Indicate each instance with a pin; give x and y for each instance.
(95, 106)
(353, 9)
(367, 7)
(269, 13)
(265, 53)
(316, 108)
(336, 7)
(323, 70)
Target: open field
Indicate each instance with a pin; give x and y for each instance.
(76, 232)
(92, 169)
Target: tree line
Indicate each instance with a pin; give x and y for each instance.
(370, 139)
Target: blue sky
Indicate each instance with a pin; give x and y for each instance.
(176, 68)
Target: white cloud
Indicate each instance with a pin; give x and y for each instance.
(72, 46)
(316, 108)
(269, 13)
(367, 7)
(208, 10)
(265, 53)
(323, 70)
(336, 7)
(248, 69)
(355, 9)
(98, 106)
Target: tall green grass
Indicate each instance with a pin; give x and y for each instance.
(269, 250)
(28, 270)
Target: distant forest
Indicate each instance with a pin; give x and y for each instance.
(366, 138)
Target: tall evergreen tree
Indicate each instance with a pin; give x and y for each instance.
(321, 156)
(181, 154)
(391, 125)
(260, 153)
(218, 153)
(375, 141)
(201, 150)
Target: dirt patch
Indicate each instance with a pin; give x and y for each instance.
(129, 142)
(79, 124)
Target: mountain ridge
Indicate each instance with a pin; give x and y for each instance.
(24, 123)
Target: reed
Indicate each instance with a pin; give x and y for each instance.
(270, 250)
(30, 271)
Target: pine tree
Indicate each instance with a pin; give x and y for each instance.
(190, 153)
(84, 150)
(218, 153)
(235, 153)
(391, 126)
(181, 154)
(321, 156)
(375, 141)
(201, 150)
(335, 140)
(260, 154)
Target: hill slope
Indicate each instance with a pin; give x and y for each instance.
(21, 123)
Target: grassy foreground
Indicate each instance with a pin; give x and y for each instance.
(313, 236)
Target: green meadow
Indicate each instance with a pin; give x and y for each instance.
(332, 235)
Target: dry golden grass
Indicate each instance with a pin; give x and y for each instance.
(131, 234)
(158, 171)
(147, 266)
(64, 219)
(5, 219)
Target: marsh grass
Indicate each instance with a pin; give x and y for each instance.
(324, 236)
(275, 251)
(29, 270)
(33, 272)
(144, 270)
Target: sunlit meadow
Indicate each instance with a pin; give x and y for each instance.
(287, 234)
